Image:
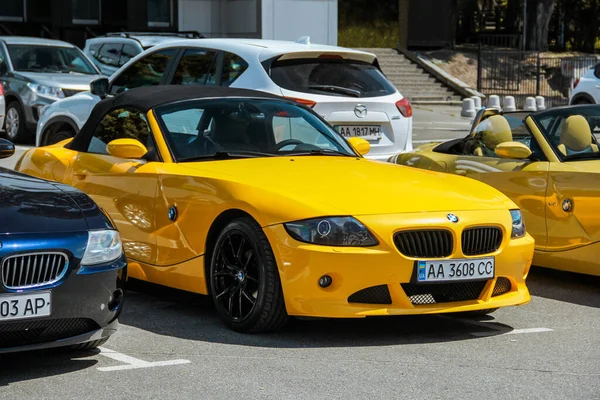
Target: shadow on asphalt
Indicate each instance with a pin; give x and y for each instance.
(565, 286)
(17, 367)
(189, 316)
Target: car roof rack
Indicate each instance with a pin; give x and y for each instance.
(183, 34)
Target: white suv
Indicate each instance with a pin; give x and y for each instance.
(586, 89)
(346, 87)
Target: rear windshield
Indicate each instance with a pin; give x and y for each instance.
(337, 77)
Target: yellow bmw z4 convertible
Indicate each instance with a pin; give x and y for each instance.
(256, 201)
(548, 163)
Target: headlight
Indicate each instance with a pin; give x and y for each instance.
(331, 231)
(518, 226)
(102, 247)
(48, 91)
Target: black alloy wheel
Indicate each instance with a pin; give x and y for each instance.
(244, 280)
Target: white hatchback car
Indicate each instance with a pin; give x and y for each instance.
(587, 88)
(346, 87)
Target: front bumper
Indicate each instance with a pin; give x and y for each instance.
(383, 267)
(83, 308)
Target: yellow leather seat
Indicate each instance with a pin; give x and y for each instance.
(576, 136)
(490, 133)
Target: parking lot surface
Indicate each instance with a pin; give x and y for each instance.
(172, 345)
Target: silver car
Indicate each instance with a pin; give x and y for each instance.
(35, 73)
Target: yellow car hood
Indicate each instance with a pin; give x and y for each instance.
(353, 186)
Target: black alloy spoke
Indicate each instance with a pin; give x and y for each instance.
(236, 276)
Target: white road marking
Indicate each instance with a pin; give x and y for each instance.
(494, 330)
(513, 332)
(132, 362)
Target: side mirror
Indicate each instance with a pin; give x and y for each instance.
(514, 150)
(7, 149)
(126, 148)
(360, 145)
(99, 87)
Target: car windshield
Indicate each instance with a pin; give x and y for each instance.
(331, 76)
(49, 59)
(571, 131)
(239, 128)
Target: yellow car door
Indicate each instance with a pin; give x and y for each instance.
(524, 180)
(124, 187)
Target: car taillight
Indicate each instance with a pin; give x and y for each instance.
(575, 83)
(404, 107)
(1, 90)
(308, 103)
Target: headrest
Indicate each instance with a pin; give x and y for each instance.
(576, 134)
(493, 131)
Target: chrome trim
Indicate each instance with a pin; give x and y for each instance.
(48, 262)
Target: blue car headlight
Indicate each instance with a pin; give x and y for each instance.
(518, 225)
(331, 231)
(103, 247)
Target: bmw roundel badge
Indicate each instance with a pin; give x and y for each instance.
(452, 218)
(172, 213)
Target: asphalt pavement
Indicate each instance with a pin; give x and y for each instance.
(171, 345)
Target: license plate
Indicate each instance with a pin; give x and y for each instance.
(19, 306)
(455, 270)
(363, 131)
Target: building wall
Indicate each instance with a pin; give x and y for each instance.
(291, 19)
(267, 19)
(221, 18)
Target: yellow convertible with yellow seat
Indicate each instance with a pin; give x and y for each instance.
(548, 162)
(258, 202)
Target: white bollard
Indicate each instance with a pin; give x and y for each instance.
(540, 102)
(494, 102)
(530, 104)
(468, 108)
(509, 103)
(477, 102)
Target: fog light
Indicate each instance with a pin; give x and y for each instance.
(325, 281)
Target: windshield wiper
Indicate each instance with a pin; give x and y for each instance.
(320, 152)
(337, 89)
(226, 155)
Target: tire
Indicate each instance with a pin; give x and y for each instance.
(87, 345)
(14, 123)
(55, 137)
(244, 280)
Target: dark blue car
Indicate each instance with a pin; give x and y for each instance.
(62, 266)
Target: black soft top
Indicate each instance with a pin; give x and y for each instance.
(146, 98)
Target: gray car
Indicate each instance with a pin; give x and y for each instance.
(111, 51)
(35, 73)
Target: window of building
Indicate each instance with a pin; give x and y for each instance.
(160, 13)
(39, 10)
(86, 11)
(12, 10)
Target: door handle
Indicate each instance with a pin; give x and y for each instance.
(80, 175)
